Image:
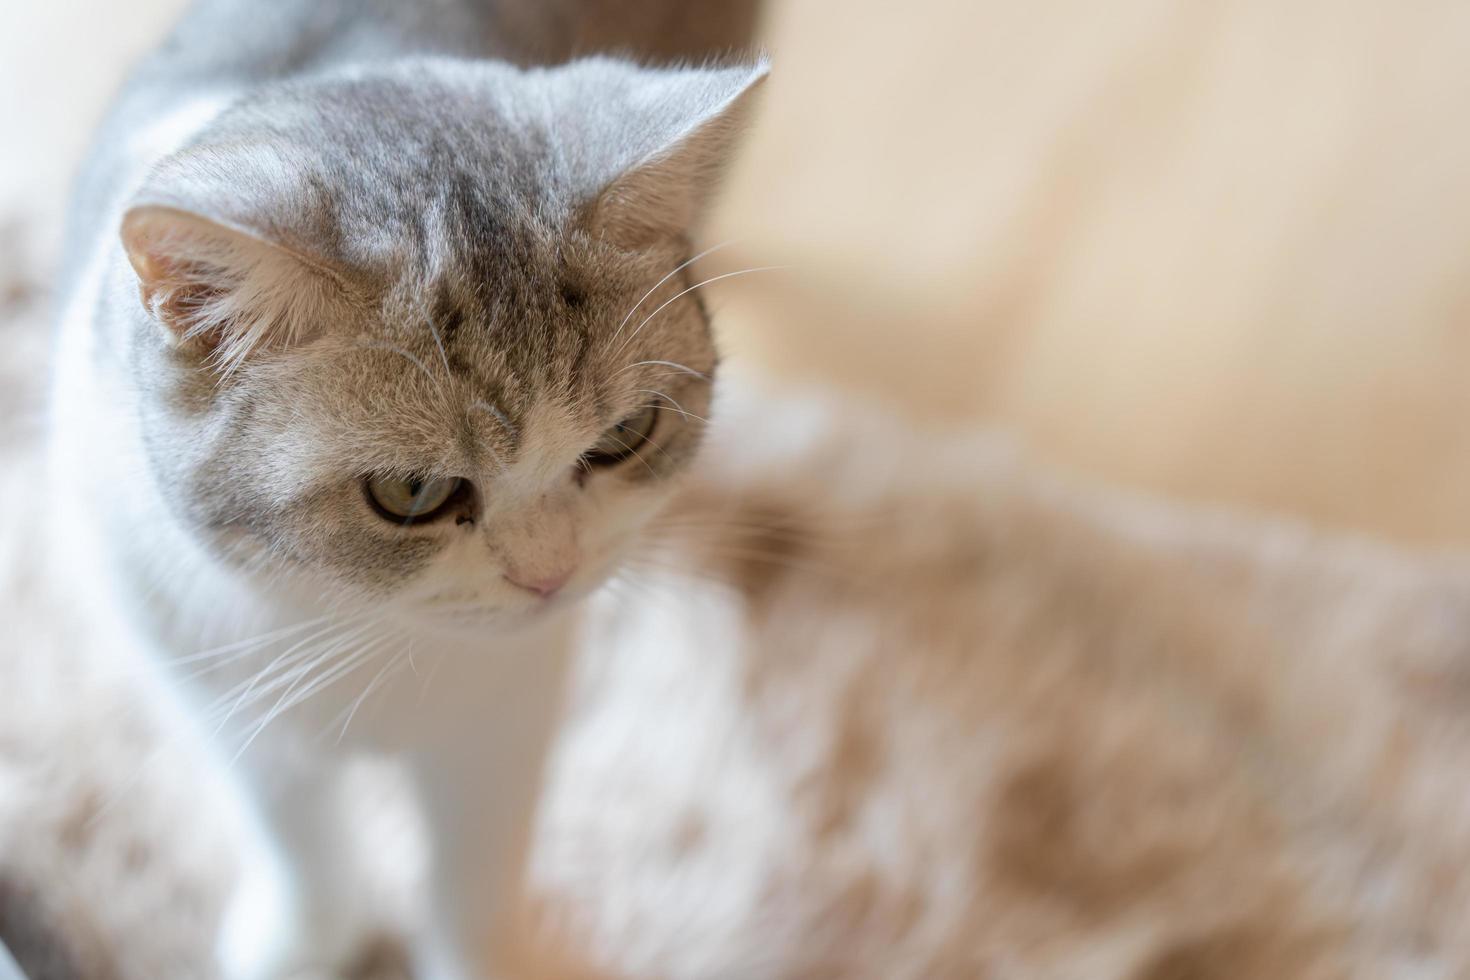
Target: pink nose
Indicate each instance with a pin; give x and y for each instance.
(545, 586)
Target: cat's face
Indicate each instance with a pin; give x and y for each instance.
(456, 382)
(467, 461)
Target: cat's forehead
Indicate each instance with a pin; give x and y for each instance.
(485, 283)
(522, 348)
(361, 171)
(528, 314)
(469, 238)
(460, 215)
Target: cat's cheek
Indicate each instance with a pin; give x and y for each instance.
(618, 523)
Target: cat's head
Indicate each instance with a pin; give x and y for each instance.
(422, 335)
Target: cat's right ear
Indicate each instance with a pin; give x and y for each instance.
(694, 118)
(220, 291)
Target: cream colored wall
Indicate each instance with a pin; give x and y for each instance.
(1217, 248)
(60, 61)
(1213, 247)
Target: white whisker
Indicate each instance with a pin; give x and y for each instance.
(638, 454)
(669, 364)
(674, 272)
(439, 343)
(500, 416)
(387, 670)
(289, 700)
(384, 345)
(672, 406)
(429, 677)
(689, 289)
(241, 648)
(297, 652)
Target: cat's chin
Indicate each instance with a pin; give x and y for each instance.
(466, 624)
(444, 616)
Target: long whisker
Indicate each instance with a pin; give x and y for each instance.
(292, 667)
(228, 653)
(767, 557)
(288, 700)
(373, 344)
(296, 653)
(388, 669)
(641, 586)
(825, 526)
(652, 577)
(241, 648)
(428, 678)
(672, 406)
(674, 272)
(636, 453)
(438, 342)
(689, 289)
(159, 753)
(669, 364)
(481, 405)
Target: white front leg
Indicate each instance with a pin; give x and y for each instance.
(482, 745)
(306, 903)
(471, 727)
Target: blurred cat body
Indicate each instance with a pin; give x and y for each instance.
(376, 267)
(935, 711)
(949, 715)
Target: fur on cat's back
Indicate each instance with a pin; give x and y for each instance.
(926, 711)
(934, 715)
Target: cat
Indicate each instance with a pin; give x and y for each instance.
(875, 703)
(884, 703)
(940, 714)
(362, 382)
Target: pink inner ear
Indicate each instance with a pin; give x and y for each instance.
(174, 290)
(185, 306)
(225, 290)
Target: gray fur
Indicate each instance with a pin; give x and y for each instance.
(226, 44)
(464, 245)
(323, 241)
(453, 201)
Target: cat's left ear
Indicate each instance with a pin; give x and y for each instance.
(221, 291)
(698, 117)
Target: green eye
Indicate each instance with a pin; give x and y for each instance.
(405, 501)
(624, 439)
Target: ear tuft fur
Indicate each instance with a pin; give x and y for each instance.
(221, 290)
(666, 192)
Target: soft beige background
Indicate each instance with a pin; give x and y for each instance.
(1217, 248)
(1212, 247)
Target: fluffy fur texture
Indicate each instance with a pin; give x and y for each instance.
(933, 712)
(871, 703)
(367, 250)
(1088, 735)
